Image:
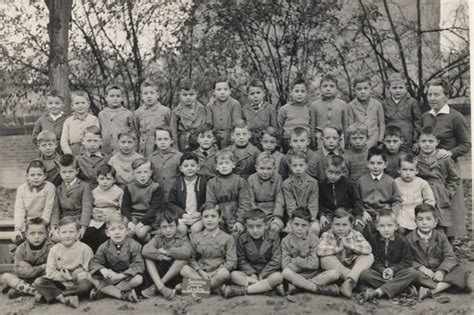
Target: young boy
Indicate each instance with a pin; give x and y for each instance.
(188, 193)
(30, 259)
(402, 110)
(66, 267)
(295, 114)
(266, 192)
(74, 126)
(258, 113)
(258, 259)
(336, 191)
(122, 160)
(433, 256)
(53, 119)
(301, 190)
(117, 267)
(150, 116)
(165, 255)
(413, 191)
(114, 119)
(270, 144)
(213, 252)
(91, 158)
(393, 141)
(73, 196)
(206, 151)
(230, 192)
(222, 111)
(300, 263)
(187, 117)
(377, 190)
(244, 152)
(392, 270)
(367, 110)
(35, 198)
(356, 154)
(344, 252)
(299, 142)
(47, 144)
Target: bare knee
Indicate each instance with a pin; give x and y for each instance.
(287, 273)
(9, 279)
(275, 279)
(136, 281)
(183, 229)
(315, 228)
(196, 227)
(223, 273)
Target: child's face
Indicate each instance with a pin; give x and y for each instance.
(333, 173)
(268, 143)
(91, 142)
(36, 234)
(298, 93)
(142, 174)
(376, 165)
(386, 226)
(222, 91)
(408, 171)
(54, 105)
(80, 105)
(427, 144)
(341, 226)
(168, 229)
(163, 140)
(256, 95)
(117, 231)
(210, 219)
(126, 144)
(265, 170)
(68, 173)
(149, 95)
(256, 228)
(224, 166)
(241, 136)
(328, 89)
(426, 222)
(36, 176)
(392, 144)
(397, 89)
(362, 91)
(299, 143)
(47, 148)
(68, 234)
(358, 141)
(105, 181)
(436, 97)
(188, 97)
(189, 168)
(298, 167)
(331, 139)
(114, 98)
(206, 140)
(300, 227)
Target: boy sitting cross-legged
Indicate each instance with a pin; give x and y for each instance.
(258, 259)
(117, 267)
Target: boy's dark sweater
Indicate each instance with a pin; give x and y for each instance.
(393, 163)
(339, 194)
(177, 197)
(395, 254)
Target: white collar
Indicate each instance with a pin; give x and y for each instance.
(443, 110)
(424, 236)
(376, 177)
(55, 117)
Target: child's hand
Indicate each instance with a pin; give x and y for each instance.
(366, 217)
(66, 275)
(252, 279)
(438, 276)
(323, 221)
(204, 275)
(416, 148)
(53, 231)
(427, 272)
(82, 231)
(359, 222)
(106, 273)
(387, 274)
(238, 227)
(163, 251)
(442, 154)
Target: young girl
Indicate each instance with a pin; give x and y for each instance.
(214, 254)
(270, 144)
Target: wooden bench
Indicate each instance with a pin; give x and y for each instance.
(6, 233)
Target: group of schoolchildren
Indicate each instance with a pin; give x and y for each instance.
(133, 202)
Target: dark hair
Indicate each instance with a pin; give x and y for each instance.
(298, 81)
(376, 152)
(164, 128)
(334, 160)
(298, 131)
(328, 77)
(187, 85)
(36, 164)
(440, 82)
(361, 79)
(139, 162)
(92, 130)
(67, 160)
(271, 131)
(298, 155)
(188, 156)
(425, 208)
(428, 131)
(302, 213)
(222, 79)
(386, 213)
(393, 131)
(37, 221)
(339, 132)
(255, 83)
(407, 157)
(256, 214)
(68, 220)
(341, 213)
(147, 83)
(105, 169)
(205, 128)
(129, 133)
(208, 206)
(167, 215)
(225, 153)
(113, 86)
(240, 123)
(55, 93)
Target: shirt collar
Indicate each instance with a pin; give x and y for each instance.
(71, 183)
(37, 188)
(391, 239)
(98, 153)
(55, 117)
(190, 182)
(379, 177)
(213, 234)
(443, 110)
(326, 151)
(75, 116)
(423, 236)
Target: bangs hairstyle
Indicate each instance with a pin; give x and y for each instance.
(222, 79)
(188, 156)
(240, 123)
(386, 213)
(94, 130)
(128, 133)
(327, 78)
(36, 164)
(106, 169)
(298, 155)
(225, 154)
(187, 85)
(116, 218)
(440, 82)
(361, 79)
(67, 160)
(396, 77)
(335, 161)
(339, 132)
(55, 93)
(205, 128)
(376, 152)
(302, 213)
(148, 83)
(46, 136)
(113, 86)
(393, 131)
(342, 213)
(208, 206)
(255, 84)
(139, 162)
(164, 128)
(428, 131)
(36, 221)
(298, 131)
(425, 208)
(357, 128)
(272, 132)
(265, 157)
(167, 215)
(407, 157)
(298, 81)
(68, 220)
(82, 94)
(256, 214)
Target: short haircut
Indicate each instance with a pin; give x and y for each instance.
(55, 93)
(188, 156)
(335, 161)
(69, 220)
(298, 155)
(225, 154)
(37, 221)
(67, 160)
(222, 79)
(240, 123)
(116, 218)
(113, 86)
(358, 128)
(271, 131)
(393, 131)
(167, 215)
(164, 128)
(425, 208)
(386, 213)
(361, 79)
(256, 84)
(328, 77)
(208, 206)
(342, 213)
(36, 164)
(46, 136)
(105, 169)
(339, 131)
(407, 157)
(139, 162)
(396, 77)
(129, 133)
(255, 214)
(440, 82)
(94, 130)
(205, 128)
(82, 94)
(376, 152)
(428, 131)
(148, 83)
(298, 81)
(187, 85)
(265, 157)
(298, 131)
(302, 213)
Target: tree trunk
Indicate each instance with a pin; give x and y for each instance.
(58, 31)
